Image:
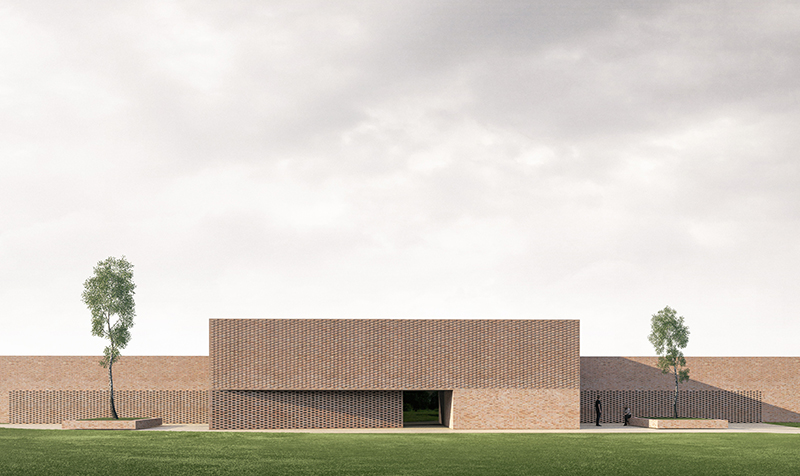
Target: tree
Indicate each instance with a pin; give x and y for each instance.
(669, 335)
(107, 294)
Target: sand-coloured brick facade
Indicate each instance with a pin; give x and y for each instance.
(735, 388)
(83, 373)
(517, 370)
(392, 354)
(491, 374)
(678, 424)
(301, 409)
(481, 409)
(735, 406)
(56, 406)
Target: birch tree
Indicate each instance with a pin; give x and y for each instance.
(669, 335)
(109, 296)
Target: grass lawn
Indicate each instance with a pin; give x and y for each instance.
(421, 415)
(55, 452)
(786, 423)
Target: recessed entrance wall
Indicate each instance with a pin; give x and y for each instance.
(287, 409)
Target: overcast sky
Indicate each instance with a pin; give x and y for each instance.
(403, 159)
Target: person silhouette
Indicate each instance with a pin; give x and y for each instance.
(598, 410)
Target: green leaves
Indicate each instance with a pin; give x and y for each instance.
(683, 375)
(110, 355)
(108, 293)
(669, 335)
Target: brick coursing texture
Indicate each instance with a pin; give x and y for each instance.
(404, 354)
(173, 373)
(742, 381)
(392, 354)
(678, 424)
(55, 406)
(773, 380)
(514, 409)
(111, 424)
(251, 409)
(735, 406)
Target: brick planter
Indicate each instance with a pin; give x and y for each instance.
(140, 424)
(677, 424)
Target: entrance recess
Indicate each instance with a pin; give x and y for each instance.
(423, 407)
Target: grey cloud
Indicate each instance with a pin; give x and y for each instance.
(417, 159)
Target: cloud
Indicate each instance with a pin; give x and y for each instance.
(403, 159)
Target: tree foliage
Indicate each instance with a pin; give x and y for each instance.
(669, 335)
(108, 293)
(421, 400)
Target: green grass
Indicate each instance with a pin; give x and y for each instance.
(785, 423)
(421, 415)
(119, 453)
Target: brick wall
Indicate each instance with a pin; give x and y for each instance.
(777, 379)
(282, 409)
(392, 354)
(55, 406)
(734, 384)
(515, 409)
(737, 406)
(492, 367)
(84, 373)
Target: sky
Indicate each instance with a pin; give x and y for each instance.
(406, 159)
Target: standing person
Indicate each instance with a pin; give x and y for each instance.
(627, 415)
(598, 410)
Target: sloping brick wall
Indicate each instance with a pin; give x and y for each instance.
(777, 379)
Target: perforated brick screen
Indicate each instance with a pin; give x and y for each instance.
(55, 406)
(389, 354)
(249, 409)
(742, 406)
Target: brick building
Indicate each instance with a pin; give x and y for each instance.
(310, 373)
(330, 373)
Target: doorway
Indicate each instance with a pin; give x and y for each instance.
(421, 407)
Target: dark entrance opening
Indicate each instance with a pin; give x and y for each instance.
(421, 407)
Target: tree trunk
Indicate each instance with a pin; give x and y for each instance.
(675, 400)
(111, 387)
